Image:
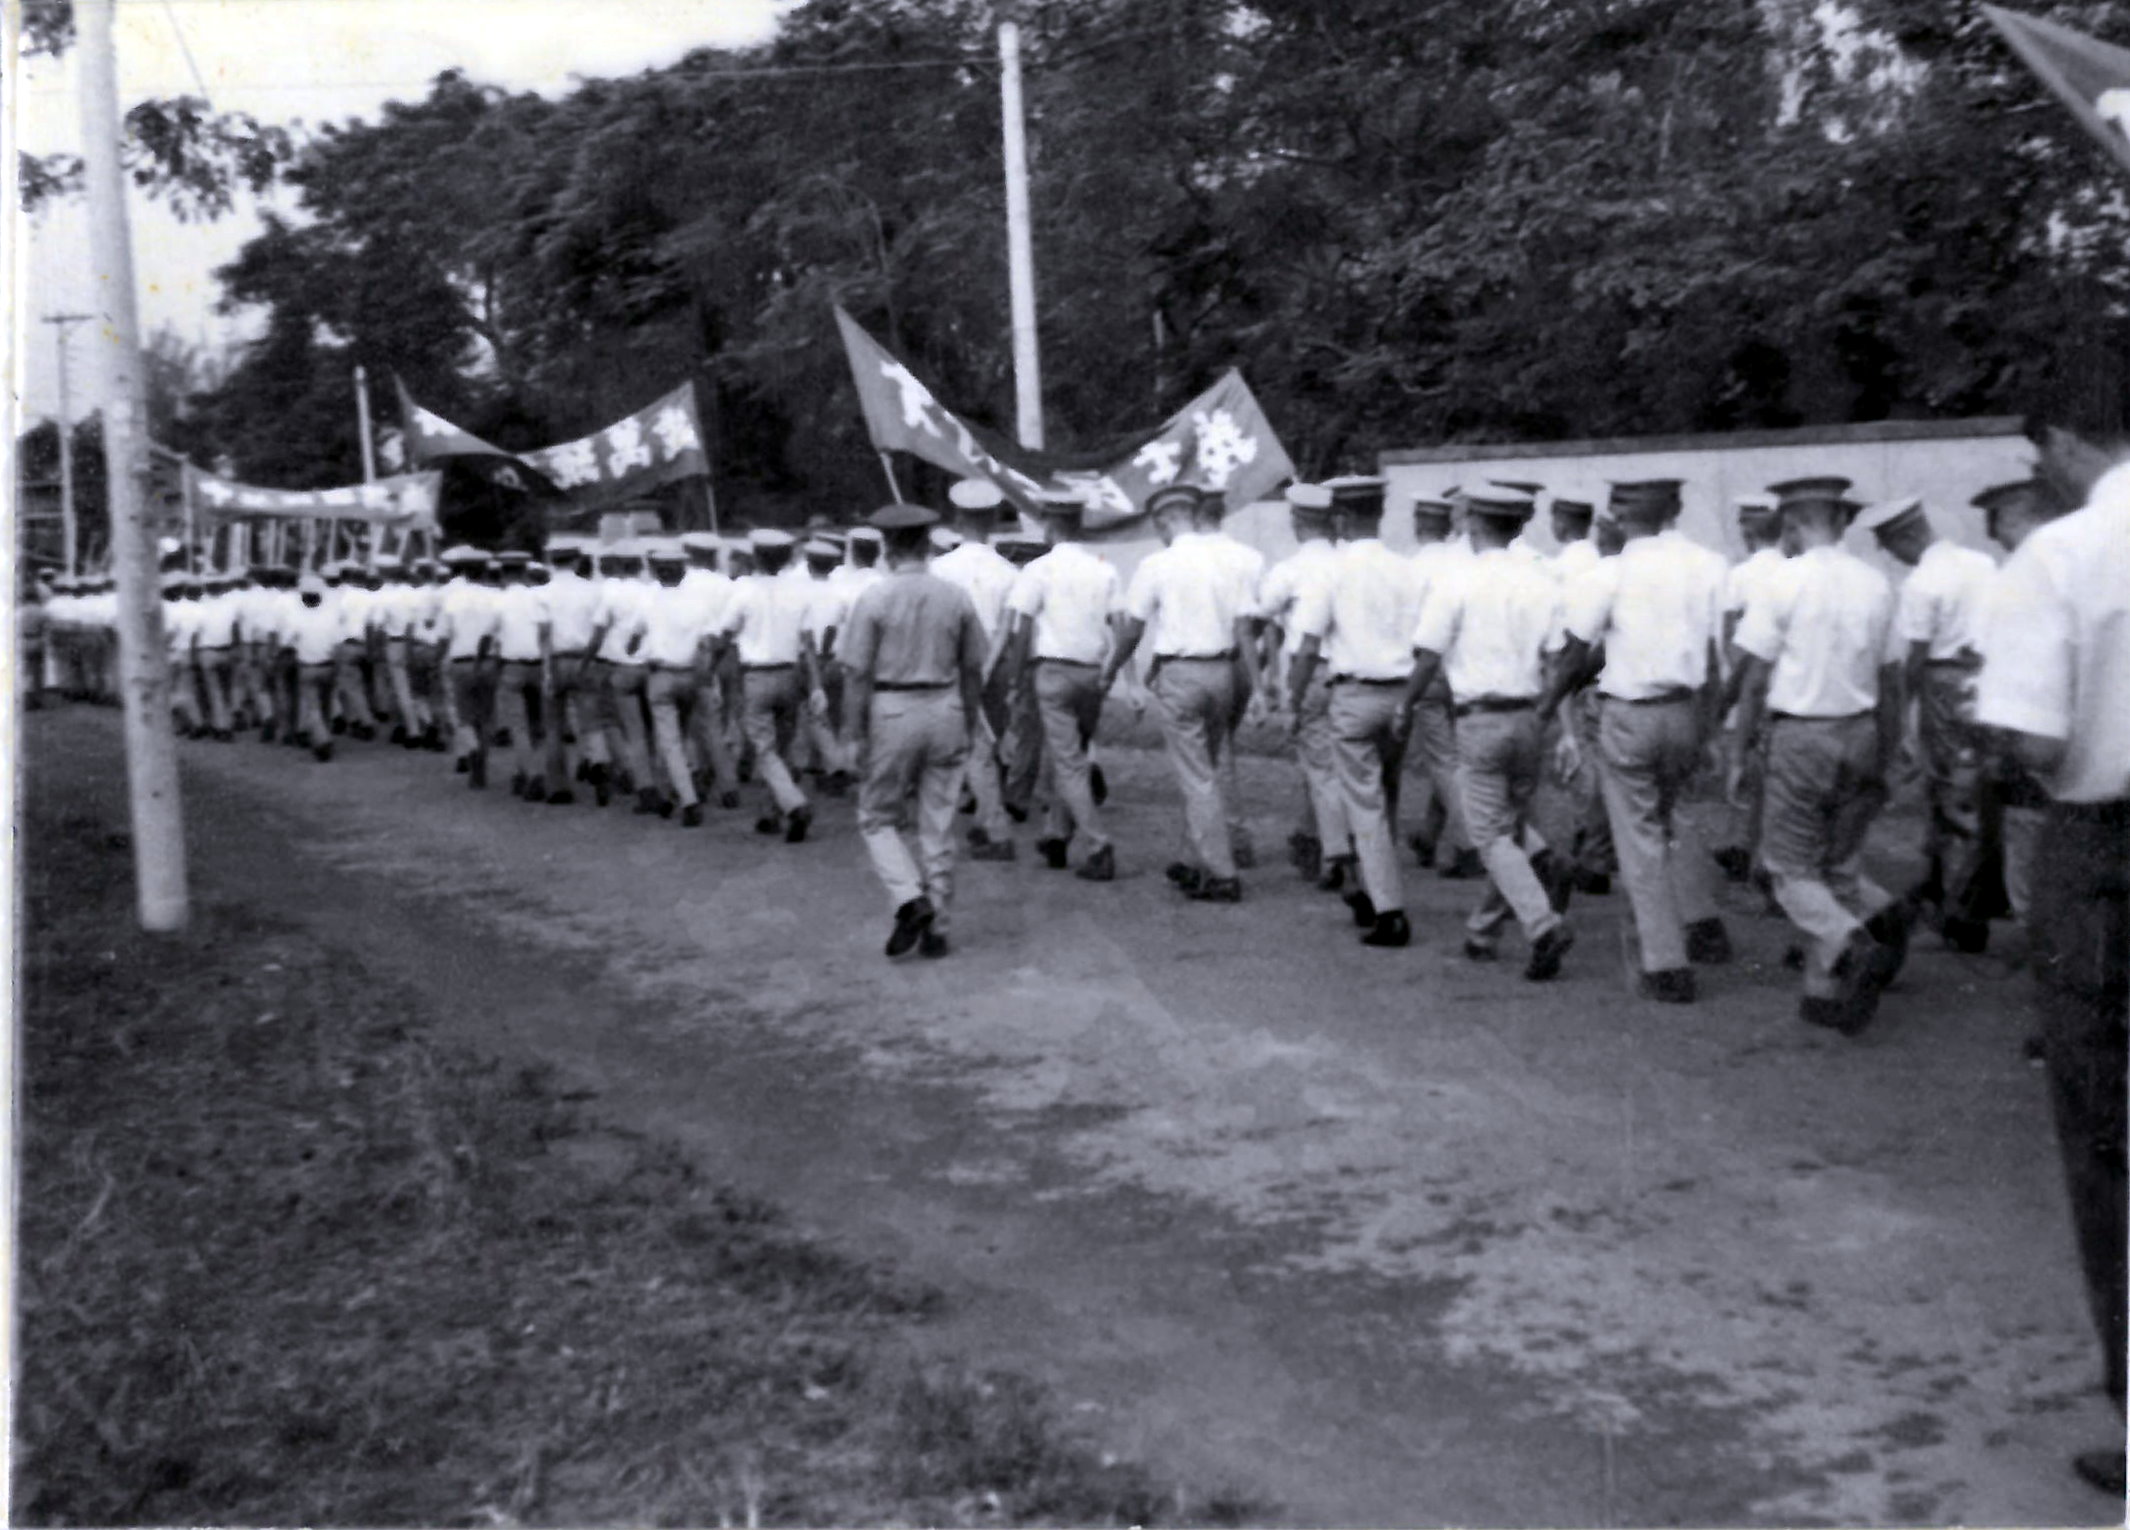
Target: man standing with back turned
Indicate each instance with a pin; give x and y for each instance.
(915, 651)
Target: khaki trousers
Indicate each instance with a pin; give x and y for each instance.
(771, 700)
(575, 716)
(1069, 701)
(472, 694)
(184, 693)
(518, 687)
(715, 739)
(670, 692)
(348, 686)
(214, 664)
(1197, 700)
(621, 718)
(1821, 801)
(1648, 752)
(1595, 851)
(1314, 751)
(920, 742)
(314, 690)
(1020, 748)
(1433, 745)
(1954, 841)
(409, 712)
(1498, 761)
(1366, 748)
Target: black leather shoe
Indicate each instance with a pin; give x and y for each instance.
(1734, 861)
(535, 792)
(2102, 1469)
(462, 764)
(1546, 954)
(322, 753)
(517, 783)
(647, 802)
(1334, 877)
(773, 823)
(912, 920)
(562, 798)
(796, 823)
(584, 770)
(1391, 930)
(1674, 985)
(1216, 890)
(1101, 866)
(728, 800)
(1245, 855)
(1362, 907)
(979, 836)
(932, 945)
(1708, 943)
(1097, 785)
(1423, 850)
(1183, 874)
(1890, 927)
(1793, 958)
(1970, 937)
(995, 850)
(1846, 1015)
(1479, 951)
(1056, 853)
(691, 816)
(339, 726)
(1556, 876)
(1464, 866)
(477, 774)
(1592, 884)
(500, 738)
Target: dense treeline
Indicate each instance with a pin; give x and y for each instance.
(1407, 220)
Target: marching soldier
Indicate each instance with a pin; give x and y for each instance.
(1060, 608)
(817, 748)
(916, 653)
(2015, 801)
(466, 625)
(213, 651)
(1760, 528)
(1022, 761)
(765, 622)
(1823, 677)
(1247, 567)
(521, 645)
(716, 685)
(311, 636)
(1324, 835)
(1647, 624)
(675, 628)
(1441, 839)
(1196, 615)
(572, 614)
(1593, 855)
(180, 631)
(2056, 680)
(350, 597)
(1487, 621)
(978, 570)
(1360, 623)
(1937, 614)
(624, 595)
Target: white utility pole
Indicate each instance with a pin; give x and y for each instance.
(1020, 245)
(362, 423)
(144, 679)
(69, 526)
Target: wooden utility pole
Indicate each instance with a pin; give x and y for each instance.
(69, 525)
(1020, 242)
(144, 678)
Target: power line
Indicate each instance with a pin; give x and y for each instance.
(185, 48)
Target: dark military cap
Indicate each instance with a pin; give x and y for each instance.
(1433, 510)
(1826, 490)
(2036, 496)
(1574, 509)
(1499, 502)
(901, 518)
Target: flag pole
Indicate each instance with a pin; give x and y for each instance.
(1020, 244)
(887, 466)
(160, 882)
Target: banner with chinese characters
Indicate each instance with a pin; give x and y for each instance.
(1220, 440)
(405, 501)
(2090, 77)
(655, 445)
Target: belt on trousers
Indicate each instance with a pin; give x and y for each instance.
(215, 648)
(1196, 658)
(1493, 704)
(684, 669)
(760, 669)
(913, 685)
(1957, 661)
(1798, 717)
(1365, 680)
(1045, 658)
(1661, 699)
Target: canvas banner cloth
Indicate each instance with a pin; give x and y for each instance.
(406, 500)
(1220, 440)
(2089, 76)
(657, 444)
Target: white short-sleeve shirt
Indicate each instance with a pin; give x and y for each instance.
(1492, 616)
(1826, 625)
(1308, 566)
(465, 615)
(1748, 580)
(1190, 596)
(1656, 608)
(521, 611)
(313, 631)
(981, 572)
(768, 613)
(1364, 614)
(1068, 595)
(2056, 644)
(1940, 602)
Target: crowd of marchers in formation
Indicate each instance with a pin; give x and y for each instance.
(674, 670)
(967, 672)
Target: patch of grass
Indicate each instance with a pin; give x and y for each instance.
(284, 1259)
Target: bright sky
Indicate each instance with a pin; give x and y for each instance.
(311, 61)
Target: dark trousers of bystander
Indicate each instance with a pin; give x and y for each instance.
(2081, 961)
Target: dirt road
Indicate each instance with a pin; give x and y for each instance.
(1376, 1237)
